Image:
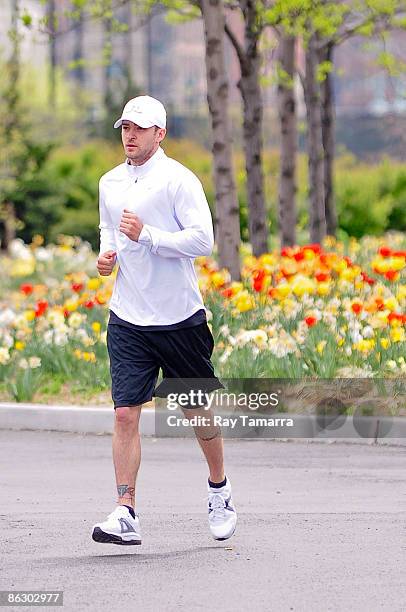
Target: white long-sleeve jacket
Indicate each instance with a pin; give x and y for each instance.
(156, 283)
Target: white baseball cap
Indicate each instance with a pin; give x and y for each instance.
(144, 111)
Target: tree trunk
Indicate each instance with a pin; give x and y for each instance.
(227, 209)
(314, 144)
(108, 56)
(250, 89)
(52, 54)
(78, 52)
(328, 129)
(12, 125)
(288, 144)
(11, 95)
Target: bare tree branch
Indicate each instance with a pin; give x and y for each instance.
(236, 44)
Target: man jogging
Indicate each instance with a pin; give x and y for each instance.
(154, 220)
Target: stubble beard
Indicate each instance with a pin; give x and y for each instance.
(137, 159)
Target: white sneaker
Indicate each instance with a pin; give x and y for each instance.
(222, 514)
(119, 528)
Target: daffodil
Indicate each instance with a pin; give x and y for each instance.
(96, 326)
(364, 345)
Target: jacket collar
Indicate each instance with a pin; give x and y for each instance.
(141, 171)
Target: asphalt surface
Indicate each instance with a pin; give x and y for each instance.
(321, 526)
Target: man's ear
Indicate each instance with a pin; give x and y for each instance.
(162, 134)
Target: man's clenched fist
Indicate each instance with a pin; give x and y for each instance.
(130, 225)
(106, 263)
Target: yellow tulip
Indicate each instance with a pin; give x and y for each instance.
(217, 279)
(397, 263)
(381, 265)
(323, 288)
(29, 315)
(302, 284)
(282, 290)
(244, 301)
(348, 274)
(391, 303)
(309, 254)
(71, 305)
(93, 284)
(397, 334)
(401, 293)
(267, 260)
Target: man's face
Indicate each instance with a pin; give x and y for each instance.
(140, 143)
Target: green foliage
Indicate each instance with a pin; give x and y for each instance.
(75, 173)
(57, 190)
(323, 69)
(394, 66)
(34, 196)
(370, 198)
(24, 385)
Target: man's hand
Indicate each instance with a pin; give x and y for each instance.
(130, 225)
(106, 263)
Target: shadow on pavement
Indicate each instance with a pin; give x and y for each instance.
(123, 558)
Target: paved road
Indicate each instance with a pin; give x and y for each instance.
(321, 526)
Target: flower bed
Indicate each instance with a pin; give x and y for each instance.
(324, 311)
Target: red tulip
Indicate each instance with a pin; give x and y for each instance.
(26, 288)
(396, 316)
(315, 247)
(356, 307)
(310, 321)
(258, 280)
(321, 277)
(391, 275)
(385, 251)
(367, 279)
(41, 307)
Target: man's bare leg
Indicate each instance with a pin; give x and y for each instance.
(211, 443)
(126, 452)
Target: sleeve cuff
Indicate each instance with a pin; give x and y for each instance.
(146, 238)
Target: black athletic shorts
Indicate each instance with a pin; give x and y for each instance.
(136, 357)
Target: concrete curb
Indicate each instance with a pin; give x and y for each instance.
(75, 419)
(99, 420)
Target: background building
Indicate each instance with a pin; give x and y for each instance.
(167, 61)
